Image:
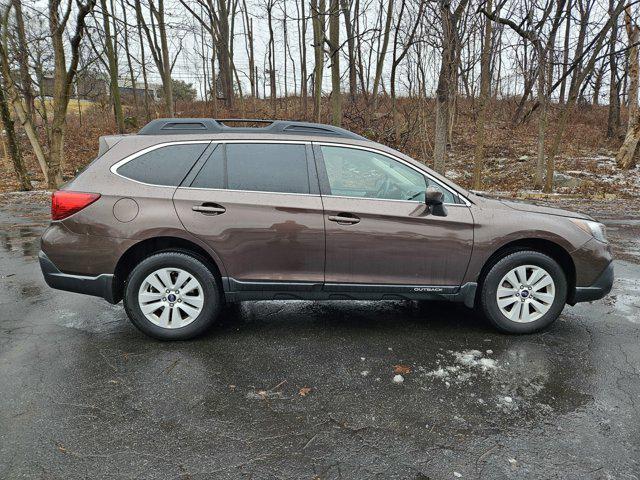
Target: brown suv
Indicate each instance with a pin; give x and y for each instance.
(190, 213)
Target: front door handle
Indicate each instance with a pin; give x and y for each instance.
(209, 209)
(344, 218)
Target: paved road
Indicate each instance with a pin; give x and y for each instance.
(305, 390)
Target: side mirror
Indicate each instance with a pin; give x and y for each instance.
(435, 201)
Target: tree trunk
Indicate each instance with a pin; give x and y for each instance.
(224, 54)
(13, 147)
(613, 118)
(113, 68)
(381, 54)
(443, 90)
(128, 54)
(353, 80)
(317, 13)
(565, 55)
(26, 87)
(272, 57)
(143, 63)
(166, 61)
(334, 41)
(626, 155)
(542, 119)
(304, 87)
(20, 110)
(485, 85)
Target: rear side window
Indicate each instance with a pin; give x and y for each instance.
(163, 166)
(258, 167)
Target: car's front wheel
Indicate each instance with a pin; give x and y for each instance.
(172, 296)
(523, 292)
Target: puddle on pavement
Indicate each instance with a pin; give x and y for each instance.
(624, 299)
(21, 239)
(103, 318)
(521, 382)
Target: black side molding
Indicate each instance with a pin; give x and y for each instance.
(236, 291)
(100, 286)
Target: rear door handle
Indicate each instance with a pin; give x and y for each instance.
(209, 209)
(345, 218)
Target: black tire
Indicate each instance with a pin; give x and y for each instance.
(211, 292)
(489, 287)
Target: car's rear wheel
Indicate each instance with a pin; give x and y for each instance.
(172, 296)
(523, 292)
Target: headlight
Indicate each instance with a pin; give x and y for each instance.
(595, 229)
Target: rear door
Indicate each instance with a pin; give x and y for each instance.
(378, 228)
(257, 205)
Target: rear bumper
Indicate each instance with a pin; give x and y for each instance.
(100, 286)
(600, 288)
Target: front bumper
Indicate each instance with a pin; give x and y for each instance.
(100, 286)
(600, 288)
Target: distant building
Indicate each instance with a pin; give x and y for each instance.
(94, 87)
(154, 90)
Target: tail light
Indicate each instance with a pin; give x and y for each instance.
(65, 203)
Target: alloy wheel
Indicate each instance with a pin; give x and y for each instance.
(171, 298)
(525, 293)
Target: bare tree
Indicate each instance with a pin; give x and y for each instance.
(447, 77)
(382, 53)
(613, 119)
(12, 147)
(159, 44)
(626, 155)
(113, 67)
(485, 85)
(318, 9)
(334, 55)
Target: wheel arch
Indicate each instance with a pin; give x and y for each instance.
(547, 247)
(150, 246)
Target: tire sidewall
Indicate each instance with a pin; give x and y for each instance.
(185, 262)
(500, 269)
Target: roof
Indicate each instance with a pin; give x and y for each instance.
(176, 126)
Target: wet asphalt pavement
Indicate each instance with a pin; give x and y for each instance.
(305, 390)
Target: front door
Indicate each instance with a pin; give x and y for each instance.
(378, 228)
(257, 206)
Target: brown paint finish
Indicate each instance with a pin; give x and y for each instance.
(396, 242)
(497, 225)
(260, 236)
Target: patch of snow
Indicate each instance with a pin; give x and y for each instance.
(487, 363)
(468, 358)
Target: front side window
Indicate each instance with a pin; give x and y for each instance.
(257, 167)
(361, 173)
(163, 166)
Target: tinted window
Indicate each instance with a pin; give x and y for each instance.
(163, 166)
(364, 174)
(212, 173)
(258, 167)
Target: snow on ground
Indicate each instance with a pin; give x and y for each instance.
(467, 364)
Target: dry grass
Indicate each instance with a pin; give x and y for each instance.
(510, 149)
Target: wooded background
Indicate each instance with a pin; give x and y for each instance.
(517, 95)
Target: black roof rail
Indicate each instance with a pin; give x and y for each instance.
(173, 126)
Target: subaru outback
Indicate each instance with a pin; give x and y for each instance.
(191, 213)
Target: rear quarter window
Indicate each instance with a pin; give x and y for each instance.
(163, 166)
